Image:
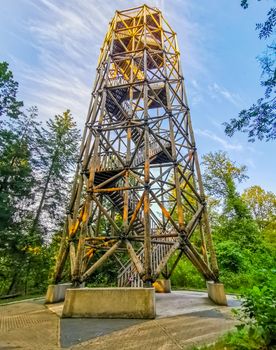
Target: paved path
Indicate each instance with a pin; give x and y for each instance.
(28, 325)
(183, 319)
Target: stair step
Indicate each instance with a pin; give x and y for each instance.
(160, 255)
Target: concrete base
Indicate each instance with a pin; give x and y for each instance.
(162, 286)
(110, 303)
(216, 293)
(56, 292)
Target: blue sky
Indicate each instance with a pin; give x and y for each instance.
(53, 45)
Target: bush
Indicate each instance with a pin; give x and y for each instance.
(230, 256)
(257, 315)
(186, 275)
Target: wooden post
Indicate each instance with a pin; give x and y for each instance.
(147, 243)
(62, 255)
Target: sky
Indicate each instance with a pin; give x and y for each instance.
(52, 47)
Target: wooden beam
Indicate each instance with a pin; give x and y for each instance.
(137, 263)
(99, 262)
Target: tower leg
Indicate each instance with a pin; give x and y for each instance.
(56, 292)
(216, 293)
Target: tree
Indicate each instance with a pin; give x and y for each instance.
(35, 171)
(262, 205)
(16, 129)
(58, 146)
(235, 222)
(9, 105)
(219, 172)
(259, 121)
(17, 161)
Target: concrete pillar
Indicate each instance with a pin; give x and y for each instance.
(56, 292)
(110, 303)
(162, 286)
(216, 293)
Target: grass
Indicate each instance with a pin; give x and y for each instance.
(21, 298)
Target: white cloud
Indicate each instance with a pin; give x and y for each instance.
(64, 38)
(194, 83)
(224, 143)
(217, 92)
(250, 162)
(195, 93)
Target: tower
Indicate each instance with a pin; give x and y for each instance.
(138, 170)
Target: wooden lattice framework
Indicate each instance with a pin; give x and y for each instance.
(138, 169)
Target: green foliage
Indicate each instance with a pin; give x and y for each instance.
(219, 172)
(241, 230)
(105, 275)
(186, 275)
(25, 267)
(257, 316)
(35, 163)
(262, 206)
(15, 151)
(259, 121)
(244, 258)
(235, 223)
(58, 149)
(229, 256)
(246, 261)
(15, 175)
(257, 321)
(9, 105)
(258, 312)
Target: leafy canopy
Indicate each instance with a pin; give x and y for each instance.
(262, 205)
(219, 171)
(259, 121)
(9, 105)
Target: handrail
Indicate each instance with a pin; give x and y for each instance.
(116, 81)
(128, 273)
(109, 162)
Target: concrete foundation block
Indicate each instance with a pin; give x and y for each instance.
(216, 293)
(162, 286)
(110, 303)
(56, 292)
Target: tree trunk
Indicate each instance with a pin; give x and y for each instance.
(13, 282)
(42, 200)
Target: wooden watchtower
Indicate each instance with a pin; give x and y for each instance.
(138, 169)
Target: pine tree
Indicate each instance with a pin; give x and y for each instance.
(10, 107)
(17, 161)
(58, 146)
(16, 128)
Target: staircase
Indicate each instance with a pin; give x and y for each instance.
(110, 166)
(118, 201)
(120, 95)
(128, 275)
(156, 155)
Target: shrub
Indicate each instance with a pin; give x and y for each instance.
(186, 275)
(230, 256)
(258, 320)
